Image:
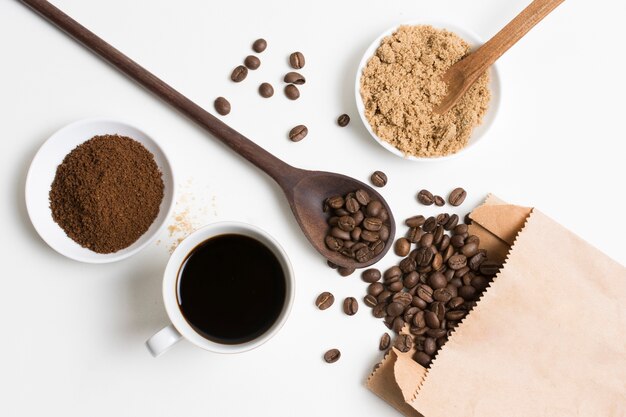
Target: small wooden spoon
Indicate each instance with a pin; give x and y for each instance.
(305, 190)
(460, 76)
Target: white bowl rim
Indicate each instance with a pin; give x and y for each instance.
(97, 258)
(494, 82)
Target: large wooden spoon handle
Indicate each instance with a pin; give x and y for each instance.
(493, 49)
(280, 171)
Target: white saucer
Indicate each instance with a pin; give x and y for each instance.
(480, 130)
(43, 169)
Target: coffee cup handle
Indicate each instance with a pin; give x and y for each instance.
(163, 340)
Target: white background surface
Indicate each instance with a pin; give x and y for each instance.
(73, 333)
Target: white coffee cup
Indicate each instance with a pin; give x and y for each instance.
(179, 327)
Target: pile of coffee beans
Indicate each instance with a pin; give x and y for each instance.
(443, 274)
(359, 226)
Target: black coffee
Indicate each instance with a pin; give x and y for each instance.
(231, 289)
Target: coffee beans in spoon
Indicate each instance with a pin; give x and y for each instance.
(358, 225)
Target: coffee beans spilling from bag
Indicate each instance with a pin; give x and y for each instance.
(434, 287)
(359, 226)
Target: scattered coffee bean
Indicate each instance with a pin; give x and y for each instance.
(403, 343)
(350, 306)
(259, 45)
(457, 196)
(489, 268)
(292, 92)
(371, 275)
(439, 201)
(345, 271)
(222, 106)
(239, 74)
(332, 265)
(343, 120)
(430, 224)
(294, 78)
(324, 300)
(415, 221)
(379, 179)
(425, 197)
(266, 90)
(402, 247)
(332, 355)
(296, 60)
(385, 341)
(370, 301)
(298, 133)
(452, 222)
(252, 62)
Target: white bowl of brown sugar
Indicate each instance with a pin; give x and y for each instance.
(398, 84)
(99, 190)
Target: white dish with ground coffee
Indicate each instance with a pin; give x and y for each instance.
(43, 170)
(411, 133)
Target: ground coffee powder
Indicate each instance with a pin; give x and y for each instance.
(106, 193)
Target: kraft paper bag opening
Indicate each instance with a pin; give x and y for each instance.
(547, 338)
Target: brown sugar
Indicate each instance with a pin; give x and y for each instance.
(106, 193)
(401, 84)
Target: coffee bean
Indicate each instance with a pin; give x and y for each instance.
(426, 240)
(339, 234)
(379, 179)
(422, 358)
(385, 341)
(437, 261)
(292, 92)
(403, 343)
(445, 242)
(333, 243)
(362, 197)
(403, 298)
(332, 356)
(384, 233)
(452, 222)
(480, 283)
(343, 120)
(222, 106)
(430, 346)
(415, 221)
(374, 208)
(396, 286)
(252, 62)
(460, 229)
(409, 312)
(437, 333)
(473, 239)
(414, 234)
(239, 74)
(411, 279)
(455, 314)
(379, 310)
(352, 205)
(430, 224)
(296, 60)
(425, 293)
(371, 275)
(384, 215)
(259, 45)
(443, 294)
(346, 223)
(294, 78)
(332, 265)
(345, 271)
(490, 268)
(432, 321)
(467, 219)
(384, 296)
(324, 300)
(266, 90)
(424, 256)
(467, 292)
(394, 309)
(358, 216)
(439, 201)
(457, 196)
(438, 235)
(370, 301)
(476, 260)
(439, 309)
(398, 324)
(364, 254)
(372, 224)
(425, 197)
(369, 236)
(437, 280)
(417, 301)
(457, 261)
(407, 265)
(350, 306)
(456, 302)
(298, 133)
(355, 234)
(469, 249)
(335, 201)
(402, 247)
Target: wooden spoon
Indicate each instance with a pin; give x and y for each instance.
(460, 76)
(305, 190)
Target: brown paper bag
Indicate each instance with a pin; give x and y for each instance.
(548, 338)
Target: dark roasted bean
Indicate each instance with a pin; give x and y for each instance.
(296, 60)
(324, 300)
(332, 355)
(259, 45)
(239, 74)
(457, 196)
(294, 78)
(425, 197)
(379, 179)
(385, 341)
